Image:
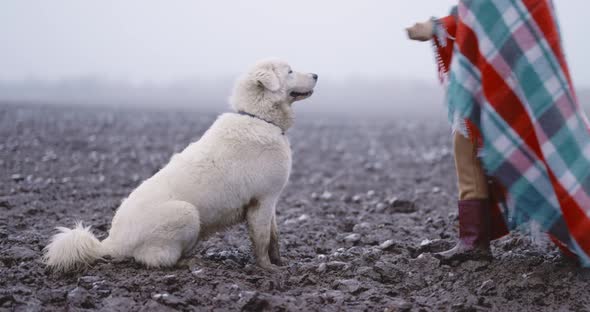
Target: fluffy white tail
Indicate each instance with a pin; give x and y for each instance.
(72, 248)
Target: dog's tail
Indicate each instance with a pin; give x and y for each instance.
(71, 249)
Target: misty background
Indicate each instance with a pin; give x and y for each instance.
(186, 54)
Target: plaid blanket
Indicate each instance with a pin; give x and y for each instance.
(508, 85)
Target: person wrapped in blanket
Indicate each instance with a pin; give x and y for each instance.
(521, 140)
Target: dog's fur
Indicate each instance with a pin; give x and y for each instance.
(234, 173)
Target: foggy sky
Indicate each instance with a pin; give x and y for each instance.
(163, 41)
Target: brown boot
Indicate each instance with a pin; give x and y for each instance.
(474, 233)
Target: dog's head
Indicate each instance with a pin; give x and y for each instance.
(278, 80)
(269, 89)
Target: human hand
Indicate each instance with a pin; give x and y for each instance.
(421, 31)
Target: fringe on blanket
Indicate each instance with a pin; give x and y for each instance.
(440, 35)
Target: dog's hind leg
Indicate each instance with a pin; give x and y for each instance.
(260, 217)
(273, 251)
(158, 255)
(174, 230)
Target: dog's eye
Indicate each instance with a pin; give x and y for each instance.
(290, 71)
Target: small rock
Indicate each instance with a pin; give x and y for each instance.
(372, 254)
(349, 285)
(49, 156)
(334, 296)
(399, 306)
(326, 196)
(6, 300)
(380, 207)
(88, 281)
(170, 279)
(303, 217)
(475, 266)
(486, 288)
(403, 206)
(32, 305)
(373, 166)
(321, 268)
(254, 302)
(346, 198)
(426, 262)
(315, 196)
(336, 254)
(290, 221)
(535, 282)
(51, 295)
(438, 223)
(353, 238)
(368, 272)
(118, 304)
(168, 299)
(370, 193)
(356, 251)
(173, 301)
(391, 200)
(357, 199)
(154, 306)
(79, 297)
(158, 296)
(20, 253)
(17, 177)
(361, 227)
(336, 265)
(4, 204)
(197, 272)
(386, 244)
(389, 273)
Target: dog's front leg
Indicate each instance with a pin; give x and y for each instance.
(274, 252)
(259, 226)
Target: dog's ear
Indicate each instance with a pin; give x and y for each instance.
(268, 79)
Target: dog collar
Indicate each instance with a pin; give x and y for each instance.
(267, 121)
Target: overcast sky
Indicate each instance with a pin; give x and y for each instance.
(167, 40)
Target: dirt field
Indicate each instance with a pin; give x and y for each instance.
(366, 203)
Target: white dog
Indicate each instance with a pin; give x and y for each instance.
(234, 173)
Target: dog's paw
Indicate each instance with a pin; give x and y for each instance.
(187, 263)
(277, 261)
(269, 267)
(273, 269)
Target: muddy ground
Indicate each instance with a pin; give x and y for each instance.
(367, 202)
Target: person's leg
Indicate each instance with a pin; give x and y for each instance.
(471, 178)
(474, 205)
